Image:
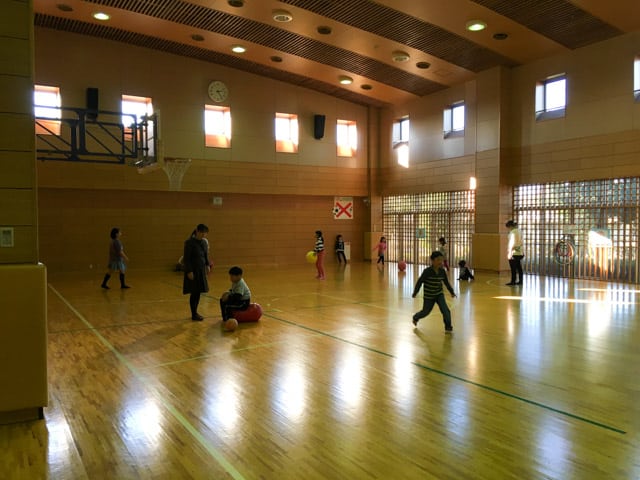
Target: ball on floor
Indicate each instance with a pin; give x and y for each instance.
(230, 325)
(402, 265)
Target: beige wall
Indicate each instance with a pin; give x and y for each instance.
(272, 203)
(18, 192)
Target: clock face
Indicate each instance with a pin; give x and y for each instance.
(218, 91)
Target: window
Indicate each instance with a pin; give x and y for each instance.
(453, 120)
(551, 97)
(286, 133)
(400, 138)
(46, 105)
(636, 78)
(217, 126)
(347, 138)
(135, 109)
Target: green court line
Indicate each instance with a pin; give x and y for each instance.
(222, 461)
(456, 377)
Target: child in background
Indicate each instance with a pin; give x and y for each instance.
(443, 250)
(382, 248)
(319, 249)
(432, 278)
(340, 249)
(465, 273)
(238, 297)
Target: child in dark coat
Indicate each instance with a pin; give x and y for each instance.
(465, 273)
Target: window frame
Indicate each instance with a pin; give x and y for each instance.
(543, 111)
(287, 143)
(217, 126)
(400, 140)
(449, 117)
(50, 111)
(346, 138)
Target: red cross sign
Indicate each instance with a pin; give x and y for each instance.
(343, 208)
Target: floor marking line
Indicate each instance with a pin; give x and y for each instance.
(213, 451)
(455, 377)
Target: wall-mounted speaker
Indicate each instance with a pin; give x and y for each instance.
(92, 103)
(318, 126)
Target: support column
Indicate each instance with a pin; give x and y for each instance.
(23, 364)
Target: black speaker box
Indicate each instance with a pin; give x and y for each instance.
(92, 103)
(318, 126)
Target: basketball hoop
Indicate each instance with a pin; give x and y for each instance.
(175, 168)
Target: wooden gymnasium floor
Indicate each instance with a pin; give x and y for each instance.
(540, 382)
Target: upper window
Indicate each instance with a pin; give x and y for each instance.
(217, 126)
(551, 97)
(401, 141)
(135, 109)
(453, 120)
(46, 105)
(286, 133)
(636, 78)
(347, 138)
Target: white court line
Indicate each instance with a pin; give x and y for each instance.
(218, 457)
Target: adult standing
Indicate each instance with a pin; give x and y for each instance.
(515, 252)
(196, 268)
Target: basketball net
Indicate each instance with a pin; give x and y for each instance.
(175, 168)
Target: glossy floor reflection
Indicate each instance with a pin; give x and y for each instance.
(540, 381)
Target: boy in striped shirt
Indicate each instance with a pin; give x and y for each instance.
(432, 278)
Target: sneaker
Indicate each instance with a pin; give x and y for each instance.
(105, 287)
(197, 317)
(510, 284)
(125, 286)
(448, 330)
(415, 322)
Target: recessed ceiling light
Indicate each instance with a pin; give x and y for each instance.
(423, 65)
(400, 56)
(344, 80)
(324, 30)
(238, 49)
(236, 3)
(476, 25)
(500, 36)
(101, 16)
(64, 7)
(197, 37)
(366, 86)
(282, 16)
(276, 59)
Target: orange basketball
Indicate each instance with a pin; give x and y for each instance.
(230, 325)
(402, 265)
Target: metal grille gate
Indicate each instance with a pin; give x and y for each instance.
(413, 223)
(586, 229)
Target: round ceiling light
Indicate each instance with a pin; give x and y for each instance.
(238, 49)
(101, 16)
(282, 16)
(236, 3)
(476, 25)
(64, 7)
(276, 59)
(400, 56)
(197, 37)
(366, 86)
(344, 80)
(423, 65)
(324, 30)
(500, 36)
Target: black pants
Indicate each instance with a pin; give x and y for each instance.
(234, 302)
(516, 267)
(342, 256)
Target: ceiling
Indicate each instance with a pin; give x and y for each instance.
(326, 39)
